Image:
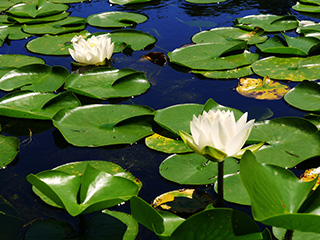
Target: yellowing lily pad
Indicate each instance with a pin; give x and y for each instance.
(265, 88)
(168, 145)
(183, 201)
(308, 176)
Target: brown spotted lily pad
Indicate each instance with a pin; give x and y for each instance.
(168, 145)
(295, 68)
(265, 88)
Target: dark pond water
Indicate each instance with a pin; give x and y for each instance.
(173, 23)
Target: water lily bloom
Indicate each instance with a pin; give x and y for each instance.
(217, 135)
(91, 51)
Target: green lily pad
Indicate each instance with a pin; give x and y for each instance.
(101, 125)
(194, 169)
(300, 46)
(115, 19)
(68, 1)
(35, 77)
(314, 119)
(36, 105)
(310, 30)
(267, 22)
(210, 56)
(293, 69)
(125, 2)
(289, 140)
(233, 189)
(310, 8)
(225, 34)
(278, 197)
(12, 61)
(167, 145)
(104, 83)
(305, 96)
(59, 45)
(66, 25)
(37, 9)
(52, 45)
(96, 189)
(133, 39)
(178, 117)
(216, 223)
(226, 74)
(315, 2)
(298, 235)
(9, 147)
(51, 18)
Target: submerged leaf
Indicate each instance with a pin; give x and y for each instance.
(261, 89)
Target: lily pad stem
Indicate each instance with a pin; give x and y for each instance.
(288, 235)
(220, 184)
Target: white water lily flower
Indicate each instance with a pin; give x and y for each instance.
(315, 171)
(92, 51)
(217, 135)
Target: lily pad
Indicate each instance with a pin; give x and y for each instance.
(12, 61)
(52, 45)
(283, 149)
(293, 69)
(167, 145)
(178, 117)
(267, 22)
(115, 19)
(305, 96)
(35, 77)
(226, 74)
(69, 24)
(310, 30)
(12, 32)
(278, 197)
(211, 56)
(172, 119)
(261, 89)
(133, 39)
(59, 45)
(300, 46)
(233, 190)
(194, 169)
(125, 2)
(39, 8)
(96, 188)
(51, 18)
(229, 223)
(9, 147)
(36, 105)
(298, 235)
(183, 201)
(104, 83)
(101, 125)
(225, 34)
(310, 8)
